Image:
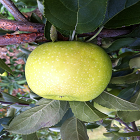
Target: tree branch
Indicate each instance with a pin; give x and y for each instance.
(20, 38)
(10, 6)
(21, 26)
(107, 33)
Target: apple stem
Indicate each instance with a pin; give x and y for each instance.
(100, 29)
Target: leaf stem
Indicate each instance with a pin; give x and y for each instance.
(10, 6)
(100, 29)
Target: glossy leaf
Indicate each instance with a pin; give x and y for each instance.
(32, 136)
(129, 16)
(46, 113)
(5, 67)
(73, 129)
(116, 6)
(119, 43)
(127, 79)
(85, 111)
(75, 15)
(114, 102)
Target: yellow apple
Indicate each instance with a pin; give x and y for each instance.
(68, 70)
(4, 74)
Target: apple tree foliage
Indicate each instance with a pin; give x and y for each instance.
(72, 18)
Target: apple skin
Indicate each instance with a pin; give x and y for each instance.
(4, 74)
(68, 70)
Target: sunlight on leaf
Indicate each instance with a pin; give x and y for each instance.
(85, 111)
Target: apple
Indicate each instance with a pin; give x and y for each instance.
(106, 110)
(68, 70)
(4, 74)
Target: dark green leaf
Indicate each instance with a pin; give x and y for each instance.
(116, 6)
(9, 98)
(127, 79)
(32, 136)
(73, 129)
(130, 134)
(129, 16)
(67, 115)
(4, 121)
(5, 67)
(113, 102)
(47, 30)
(29, 2)
(74, 14)
(120, 43)
(46, 113)
(85, 111)
(134, 33)
(35, 18)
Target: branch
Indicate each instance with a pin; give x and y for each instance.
(10, 6)
(20, 38)
(21, 26)
(106, 33)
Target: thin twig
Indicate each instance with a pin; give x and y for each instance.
(10, 6)
(135, 129)
(21, 26)
(19, 38)
(100, 29)
(11, 103)
(119, 120)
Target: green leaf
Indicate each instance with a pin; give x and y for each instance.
(29, 3)
(73, 129)
(113, 102)
(5, 67)
(85, 111)
(116, 6)
(127, 79)
(9, 98)
(130, 116)
(32, 136)
(131, 134)
(134, 63)
(46, 113)
(129, 16)
(5, 121)
(84, 16)
(119, 43)
(134, 33)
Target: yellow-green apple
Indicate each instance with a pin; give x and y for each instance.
(68, 70)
